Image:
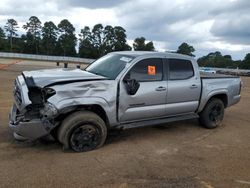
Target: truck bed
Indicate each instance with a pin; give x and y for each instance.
(216, 83)
(213, 76)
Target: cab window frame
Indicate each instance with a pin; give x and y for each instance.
(163, 67)
(168, 72)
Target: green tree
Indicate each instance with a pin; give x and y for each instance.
(140, 45)
(246, 62)
(86, 47)
(33, 28)
(102, 40)
(186, 49)
(120, 39)
(67, 39)
(49, 38)
(109, 39)
(2, 34)
(2, 40)
(11, 28)
(115, 39)
(216, 59)
(92, 43)
(228, 57)
(247, 58)
(28, 43)
(20, 44)
(98, 39)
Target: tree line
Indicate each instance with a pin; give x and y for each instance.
(216, 59)
(62, 40)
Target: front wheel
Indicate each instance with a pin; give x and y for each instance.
(82, 131)
(213, 113)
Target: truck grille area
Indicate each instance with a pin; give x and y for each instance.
(17, 94)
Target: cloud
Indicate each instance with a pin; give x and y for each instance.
(96, 4)
(26, 8)
(232, 23)
(217, 25)
(235, 30)
(207, 25)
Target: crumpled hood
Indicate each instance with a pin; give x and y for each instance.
(47, 77)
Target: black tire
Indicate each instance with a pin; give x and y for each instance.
(82, 131)
(213, 113)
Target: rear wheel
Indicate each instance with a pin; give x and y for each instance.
(213, 113)
(82, 131)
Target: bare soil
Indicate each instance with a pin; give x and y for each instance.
(179, 154)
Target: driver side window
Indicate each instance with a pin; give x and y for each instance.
(146, 70)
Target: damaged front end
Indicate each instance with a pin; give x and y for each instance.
(31, 116)
(41, 98)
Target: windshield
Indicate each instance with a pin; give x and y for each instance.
(109, 65)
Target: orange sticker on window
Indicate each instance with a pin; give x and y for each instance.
(151, 70)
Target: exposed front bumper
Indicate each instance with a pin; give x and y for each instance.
(29, 129)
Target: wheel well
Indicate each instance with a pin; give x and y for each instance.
(93, 108)
(222, 97)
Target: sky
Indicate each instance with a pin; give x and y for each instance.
(207, 25)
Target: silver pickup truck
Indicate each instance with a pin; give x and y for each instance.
(119, 90)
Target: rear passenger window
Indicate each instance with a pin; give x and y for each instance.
(146, 70)
(180, 69)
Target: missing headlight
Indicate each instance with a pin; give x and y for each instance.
(49, 110)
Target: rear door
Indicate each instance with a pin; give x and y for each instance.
(184, 87)
(150, 99)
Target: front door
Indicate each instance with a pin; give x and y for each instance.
(150, 99)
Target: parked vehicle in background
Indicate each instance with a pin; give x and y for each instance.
(120, 90)
(208, 70)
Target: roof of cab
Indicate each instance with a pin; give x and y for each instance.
(146, 53)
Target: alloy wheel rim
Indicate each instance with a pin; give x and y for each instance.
(215, 113)
(85, 138)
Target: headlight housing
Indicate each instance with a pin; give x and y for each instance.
(49, 110)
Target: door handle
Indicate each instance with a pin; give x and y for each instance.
(193, 86)
(161, 88)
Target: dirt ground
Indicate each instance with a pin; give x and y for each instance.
(179, 154)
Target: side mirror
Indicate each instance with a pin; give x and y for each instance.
(132, 86)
